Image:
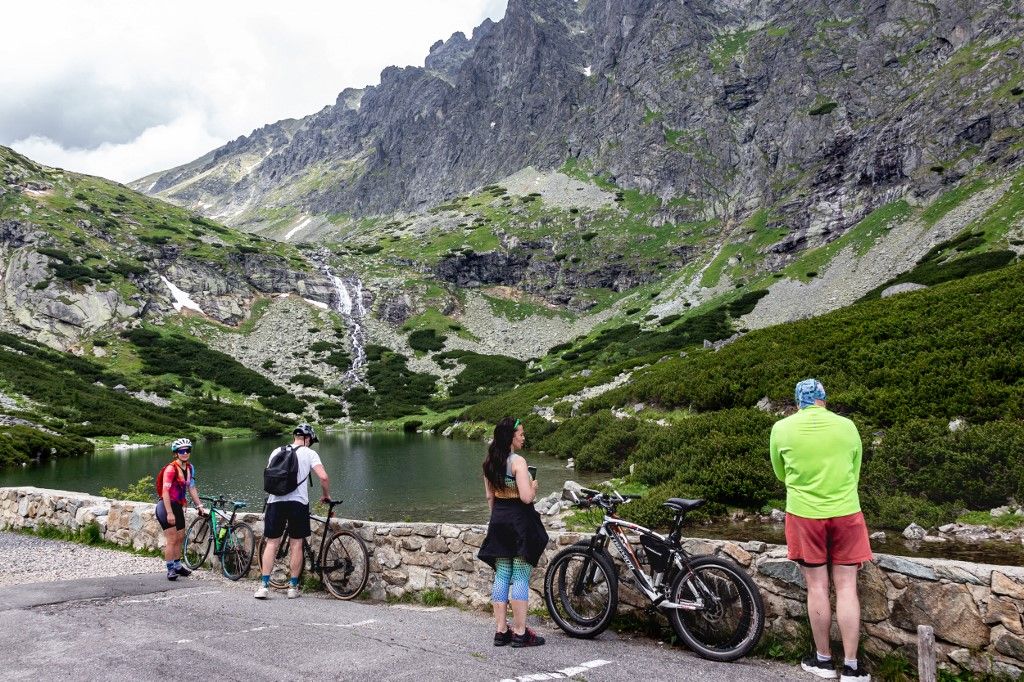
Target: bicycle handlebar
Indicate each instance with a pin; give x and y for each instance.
(605, 500)
(223, 502)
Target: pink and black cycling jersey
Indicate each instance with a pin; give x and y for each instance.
(177, 490)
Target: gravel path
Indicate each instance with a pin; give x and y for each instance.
(29, 559)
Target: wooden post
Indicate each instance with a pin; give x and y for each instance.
(925, 653)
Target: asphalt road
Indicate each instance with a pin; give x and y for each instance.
(143, 627)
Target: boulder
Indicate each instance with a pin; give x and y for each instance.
(1004, 585)
(914, 532)
(949, 608)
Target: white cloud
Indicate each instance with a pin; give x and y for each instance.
(122, 88)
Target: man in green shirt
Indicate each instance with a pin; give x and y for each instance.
(817, 454)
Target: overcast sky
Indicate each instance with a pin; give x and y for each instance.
(125, 88)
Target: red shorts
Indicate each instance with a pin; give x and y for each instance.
(840, 540)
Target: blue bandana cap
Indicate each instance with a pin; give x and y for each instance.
(807, 391)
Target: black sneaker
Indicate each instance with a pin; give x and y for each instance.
(172, 574)
(825, 670)
(183, 572)
(503, 638)
(858, 674)
(528, 638)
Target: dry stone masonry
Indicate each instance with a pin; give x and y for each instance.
(975, 609)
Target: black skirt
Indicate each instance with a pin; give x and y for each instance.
(515, 530)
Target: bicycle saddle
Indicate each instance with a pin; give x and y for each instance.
(681, 505)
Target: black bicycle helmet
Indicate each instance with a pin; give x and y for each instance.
(307, 431)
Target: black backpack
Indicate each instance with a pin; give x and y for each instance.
(282, 474)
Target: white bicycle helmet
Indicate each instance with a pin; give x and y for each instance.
(180, 443)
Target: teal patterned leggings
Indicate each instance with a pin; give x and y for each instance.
(514, 573)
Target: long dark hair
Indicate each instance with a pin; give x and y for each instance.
(498, 451)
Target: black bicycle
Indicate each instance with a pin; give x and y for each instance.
(711, 603)
(232, 542)
(343, 562)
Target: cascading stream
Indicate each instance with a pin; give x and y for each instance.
(349, 305)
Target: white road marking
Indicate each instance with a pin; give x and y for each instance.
(414, 607)
(230, 634)
(187, 595)
(342, 625)
(261, 628)
(562, 674)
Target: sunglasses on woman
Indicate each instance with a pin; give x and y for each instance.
(184, 451)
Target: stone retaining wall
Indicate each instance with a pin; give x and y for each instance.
(975, 609)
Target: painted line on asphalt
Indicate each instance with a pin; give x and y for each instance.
(261, 628)
(229, 634)
(562, 674)
(414, 607)
(187, 595)
(343, 625)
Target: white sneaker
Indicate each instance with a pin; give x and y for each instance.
(293, 592)
(262, 593)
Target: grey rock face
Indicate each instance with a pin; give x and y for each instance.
(823, 110)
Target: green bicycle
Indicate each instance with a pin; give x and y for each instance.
(232, 542)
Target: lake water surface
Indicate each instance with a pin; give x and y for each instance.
(380, 476)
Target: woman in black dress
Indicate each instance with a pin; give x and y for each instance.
(515, 535)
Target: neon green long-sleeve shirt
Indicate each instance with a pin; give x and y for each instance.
(817, 454)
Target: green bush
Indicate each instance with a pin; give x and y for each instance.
(330, 410)
(23, 445)
(283, 403)
(482, 376)
(143, 490)
(426, 340)
(186, 357)
(924, 458)
(321, 346)
(745, 303)
(306, 380)
(398, 391)
(944, 264)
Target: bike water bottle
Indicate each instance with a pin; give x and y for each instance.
(221, 532)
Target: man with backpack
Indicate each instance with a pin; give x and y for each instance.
(288, 506)
(172, 483)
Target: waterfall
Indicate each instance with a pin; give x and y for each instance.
(349, 305)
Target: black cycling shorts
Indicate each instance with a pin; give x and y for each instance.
(294, 515)
(179, 516)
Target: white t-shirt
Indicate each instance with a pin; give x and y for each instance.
(308, 458)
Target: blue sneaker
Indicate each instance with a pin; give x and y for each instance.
(172, 574)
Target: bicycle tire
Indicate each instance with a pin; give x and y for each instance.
(734, 621)
(196, 547)
(599, 591)
(345, 565)
(236, 552)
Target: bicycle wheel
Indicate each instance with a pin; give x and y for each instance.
(345, 565)
(280, 571)
(197, 543)
(732, 620)
(236, 552)
(581, 589)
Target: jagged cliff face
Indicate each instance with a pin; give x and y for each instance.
(817, 111)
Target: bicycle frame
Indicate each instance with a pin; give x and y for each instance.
(326, 521)
(614, 529)
(218, 542)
